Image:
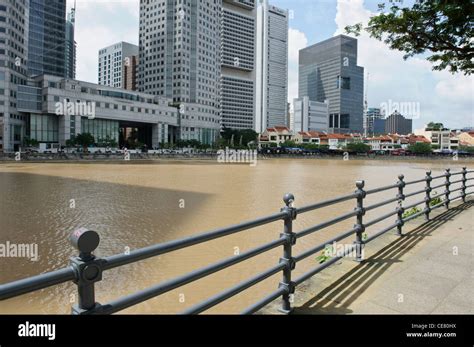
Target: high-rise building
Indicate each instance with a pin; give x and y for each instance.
(130, 70)
(310, 115)
(328, 71)
(179, 58)
(112, 61)
(371, 115)
(238, 73)
(70, 49)
(14, 18)
(271, 67)
(47, 37)
(398, 124)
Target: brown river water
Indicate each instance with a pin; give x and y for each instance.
(133, 205)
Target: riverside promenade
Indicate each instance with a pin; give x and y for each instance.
(429, 270)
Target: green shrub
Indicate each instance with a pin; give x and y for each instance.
(324, 256)
(411, 212)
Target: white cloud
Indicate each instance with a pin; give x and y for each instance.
(296, 41)
(442, 96)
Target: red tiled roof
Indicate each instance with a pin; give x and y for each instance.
(338, 136)
(278, 129)
(418, 138)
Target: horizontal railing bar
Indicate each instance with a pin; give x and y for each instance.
(458, 181)
(415, 182)
(438, 205)
(456, 173)
(383, 231)
(264, 302)
(455, 190)
(163, 287)
(440, 176)
(152, 251)
(325, 203)
(31, 284)
(213, 301)
(380, 219)
(325, 224)
(456, 197)
(313, 272)
(439, 186)
(323, 245)
(413, 216)
(381, 189)
(437, 196)
(414, 205)
(415, 193)
(470, 186)
(380, 204)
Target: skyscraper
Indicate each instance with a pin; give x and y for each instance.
(13, 70)
(112, 62)
(271, 67)
(371, 115)
(328, 71)
(130, 70)
(47, 37)
(70, 49)
(238, 76)
(179, 58)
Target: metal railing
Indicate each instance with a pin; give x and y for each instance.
(86, 269)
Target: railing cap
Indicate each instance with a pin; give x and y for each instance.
(360, 184)
(84, 240)
(288, 199)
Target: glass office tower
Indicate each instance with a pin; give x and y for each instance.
(47, 37)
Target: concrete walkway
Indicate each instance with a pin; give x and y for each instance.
(428, 270)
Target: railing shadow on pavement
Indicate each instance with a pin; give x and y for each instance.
(337, 297)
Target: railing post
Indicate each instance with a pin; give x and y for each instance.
(400, 209)
(447, 184)
(464, 186)
(360, 225)
(428, 190)
(287, 252)
(88, 270)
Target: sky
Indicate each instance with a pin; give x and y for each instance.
(438, 95)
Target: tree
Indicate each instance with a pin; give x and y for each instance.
(241, 137)
(85, 140)
(468, 149)
(30, 142)
(289, 144)
(71, 142)
(107, 142)
(440, 27)
(420, 148)
(358, 147)
(435, 126)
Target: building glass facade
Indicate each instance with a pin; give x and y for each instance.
(47, 37)
(100, 128)
(328, 71)
(44, 128)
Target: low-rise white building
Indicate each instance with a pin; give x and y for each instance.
(275, 135)
(444, 139)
